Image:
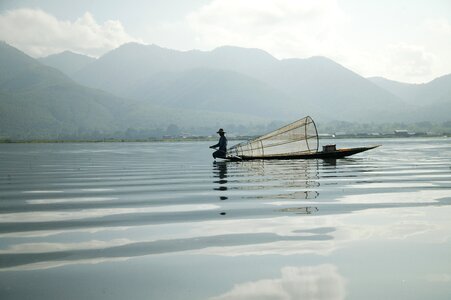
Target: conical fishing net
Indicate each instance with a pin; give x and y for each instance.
(297, 138)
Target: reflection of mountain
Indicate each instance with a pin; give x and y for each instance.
(318, 282)
(60, 254)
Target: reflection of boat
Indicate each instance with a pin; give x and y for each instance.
(298, 140)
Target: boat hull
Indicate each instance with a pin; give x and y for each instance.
(339, 153)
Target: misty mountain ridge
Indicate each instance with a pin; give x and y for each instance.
(68, 62)
(307, 85)
(435, 91)
(431, 100)
(147, 86)
(37, 101)
(214, 90)
(36, 98)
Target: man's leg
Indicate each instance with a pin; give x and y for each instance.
(220, 154)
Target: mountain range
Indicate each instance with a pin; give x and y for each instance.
(41, 102)
(67, 61)
(220, 79)
(432, 100)
(147, 87)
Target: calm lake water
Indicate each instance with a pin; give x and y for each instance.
(163, 221)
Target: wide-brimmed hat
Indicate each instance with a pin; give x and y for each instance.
(220, 130)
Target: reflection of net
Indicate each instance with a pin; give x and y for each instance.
(296, 138)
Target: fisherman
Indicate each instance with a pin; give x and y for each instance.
(222, 151)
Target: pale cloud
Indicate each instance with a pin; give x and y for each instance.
(317, 282)
(409, 61)
(438, 26)
(439, 277)
(53, 216)
(38, 33)
(285, 28)
(54, 247)
(288, 28)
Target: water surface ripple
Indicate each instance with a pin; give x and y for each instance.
(69, 207)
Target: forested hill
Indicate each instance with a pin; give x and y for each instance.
(37, 101)
(40, 102)
(149, 89)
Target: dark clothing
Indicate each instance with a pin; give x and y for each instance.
(219, 154)
(222, 144)
(222, 151)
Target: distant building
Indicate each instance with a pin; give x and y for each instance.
(326, 135)
(402, 132)
(340, 133)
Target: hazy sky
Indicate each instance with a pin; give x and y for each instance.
(404, 40)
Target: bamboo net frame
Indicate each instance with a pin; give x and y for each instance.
(299, 137)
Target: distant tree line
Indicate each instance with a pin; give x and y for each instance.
(440, 128)
(174, 131)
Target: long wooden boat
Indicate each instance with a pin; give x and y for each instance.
(298, 140)
(338, 153)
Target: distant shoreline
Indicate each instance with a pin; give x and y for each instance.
(202, 139)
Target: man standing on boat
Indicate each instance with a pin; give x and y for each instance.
(222, 150)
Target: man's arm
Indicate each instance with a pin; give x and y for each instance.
(214, 146)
